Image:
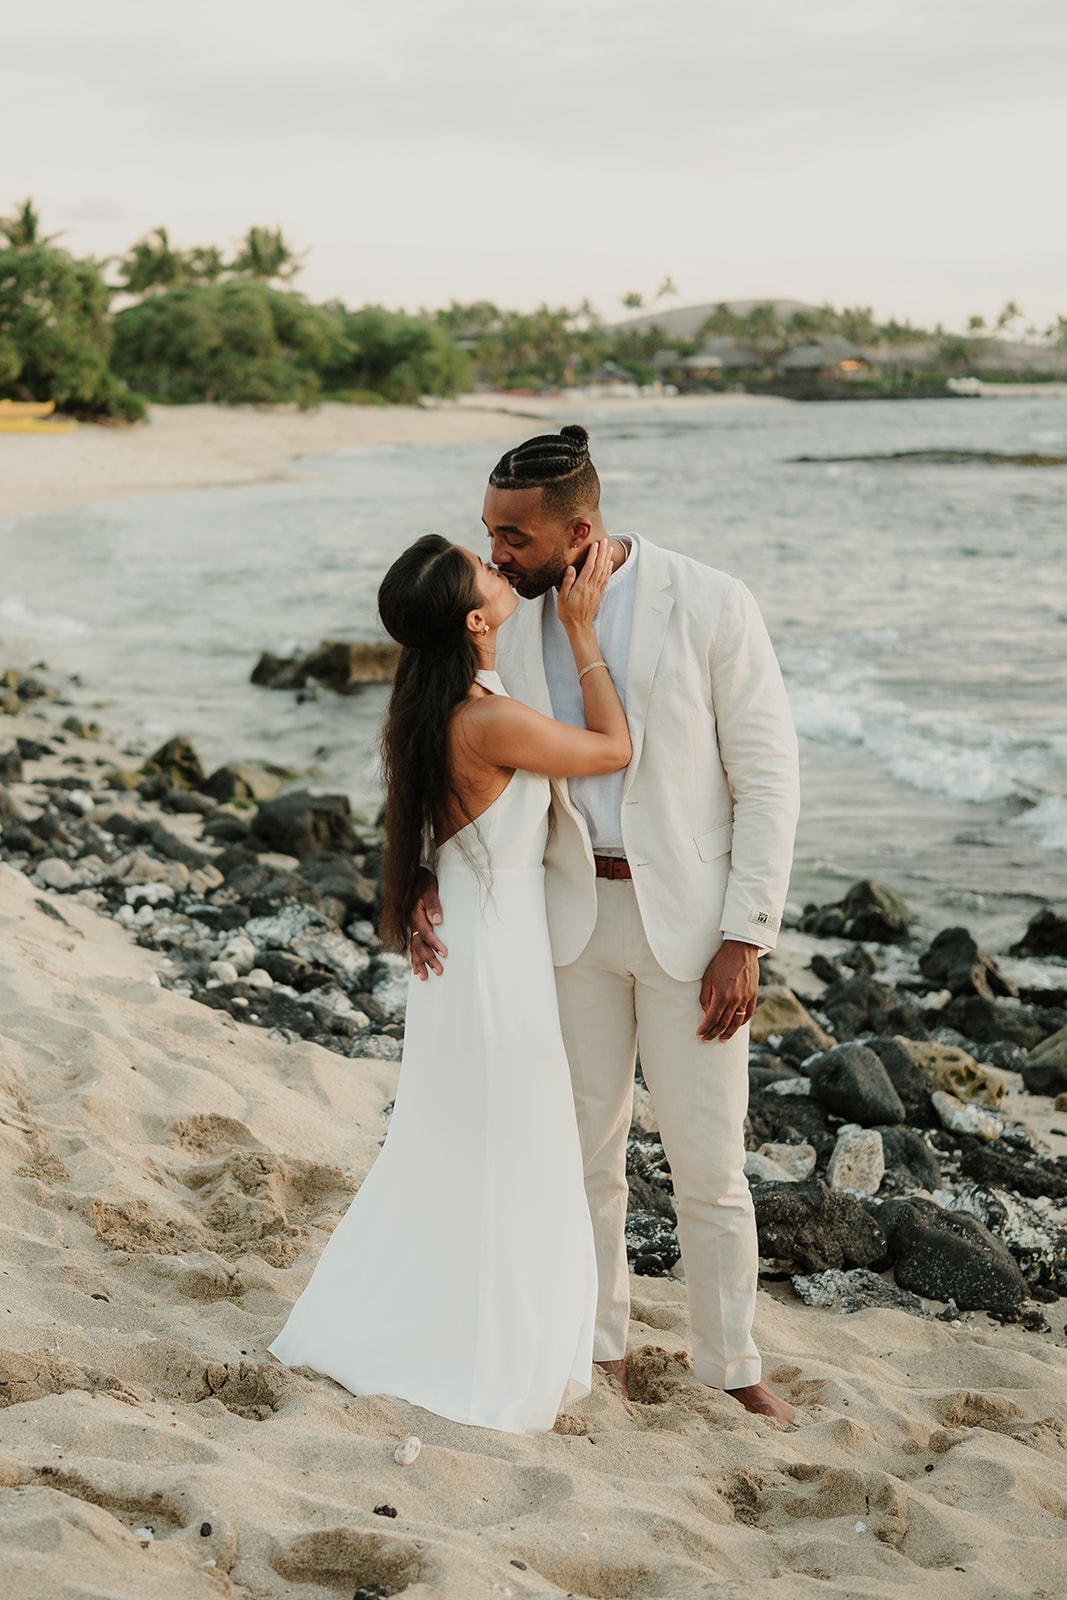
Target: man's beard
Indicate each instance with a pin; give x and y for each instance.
(531, 585)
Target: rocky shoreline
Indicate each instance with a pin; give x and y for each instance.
(890, 1154)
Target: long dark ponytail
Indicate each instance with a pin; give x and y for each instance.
(423, 601)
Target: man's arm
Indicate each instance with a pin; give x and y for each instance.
(758, 747)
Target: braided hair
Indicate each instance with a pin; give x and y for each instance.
(556, 463)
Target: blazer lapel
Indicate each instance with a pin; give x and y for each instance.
(521, 656)
(653, 605)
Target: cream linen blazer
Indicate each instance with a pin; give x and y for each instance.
(712, 791)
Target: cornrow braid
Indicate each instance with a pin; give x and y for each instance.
(556, 463)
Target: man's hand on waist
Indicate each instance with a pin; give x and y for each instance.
(427, 951)
(729, 990)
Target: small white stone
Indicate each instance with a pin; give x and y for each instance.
(240, 951)
(764, 1169)
(83, 801)
(408, 1452)
(145, 918)
(204, 879)
(259, 979)
(177, 876)
(861, 1527)
(798, 1160)
(144, 1533)
(223, 972)
(55, 873)
(858, 1161)
(972, 1119)
(796, 1085)
(152, 894)
(644, 1112)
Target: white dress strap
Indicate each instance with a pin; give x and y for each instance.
(491, 681)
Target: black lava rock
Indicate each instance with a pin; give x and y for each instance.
(949, 1255)
(988, 1020)
(858, 1005)
(852, 1082)
(299, 823)
(999, 1053)
(908, 1153)
(789, 1119)
(825, 970)
(955, 962)
(651, 1243)
(1046, 935)
(1001, 1165)
(335, 874)
(20, 839)
(226, 828)
(10, 765)
(175, 765)
(867, 912)
(861, 961)
(647, 1196)
(187, 802)
(1047, 1077)
(798, 1044)
(908, 1080)
(861, 1005)
(9, 810)
(34, 749)
(815, 1228)
(286, 968)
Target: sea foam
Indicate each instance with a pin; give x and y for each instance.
(16, 614)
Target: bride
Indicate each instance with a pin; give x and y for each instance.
(462, 1277)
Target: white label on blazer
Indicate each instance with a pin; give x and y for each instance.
(765, 920)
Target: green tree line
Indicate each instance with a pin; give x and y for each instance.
(160, 323)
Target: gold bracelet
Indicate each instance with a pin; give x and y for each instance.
(589, 668)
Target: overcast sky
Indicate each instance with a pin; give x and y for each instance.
(907, 154)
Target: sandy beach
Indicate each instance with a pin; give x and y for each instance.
(212, 447)
(215, 447)
(171, 1175)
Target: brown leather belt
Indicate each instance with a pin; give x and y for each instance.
(612, 867)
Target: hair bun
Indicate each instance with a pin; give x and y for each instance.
(576, 435)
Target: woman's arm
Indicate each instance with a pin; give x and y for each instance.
(506, 733)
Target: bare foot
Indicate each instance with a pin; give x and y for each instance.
(763, 1402)
(616, 1370)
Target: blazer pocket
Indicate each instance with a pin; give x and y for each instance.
(716, 842)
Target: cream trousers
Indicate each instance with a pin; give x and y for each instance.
(614, 997)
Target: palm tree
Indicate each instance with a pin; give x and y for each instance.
(1011, 313)
(153, 263)
(205, 264)
(23, 230)
(266, 253)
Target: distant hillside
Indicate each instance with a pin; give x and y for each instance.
(685, 322)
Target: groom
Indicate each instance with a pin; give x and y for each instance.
(663, 882)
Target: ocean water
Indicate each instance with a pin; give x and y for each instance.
(919, 610)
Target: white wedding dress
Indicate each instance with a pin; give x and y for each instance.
(462, 1277)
